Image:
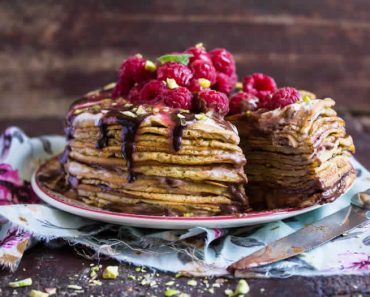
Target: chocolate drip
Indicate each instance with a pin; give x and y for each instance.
(180, 123)
(129, 128)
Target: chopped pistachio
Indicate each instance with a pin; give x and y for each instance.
(95, 282)
(171, 292)
(216, 285)
(211, 290)
(179, 274)
(129, 114)
(242, 287)
(21, 283)
(95, 108)
(171, 83)
(94, 270)
(110, 272)
(201, 116)
(109, 86)
(204, 83)
(229, 292)
(192, 282)
(306, 98)
(74, 287)
(239, 85)
(181, 116)
(153, 284)
(131, 277)
(36, 293)
(139, 55)
(140, 110)
(150, 66)
(170, 283)
(138, 269)
(128, 104)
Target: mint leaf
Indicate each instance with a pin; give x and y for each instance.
(180, 58)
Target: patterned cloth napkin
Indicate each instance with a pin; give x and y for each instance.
(24, 219)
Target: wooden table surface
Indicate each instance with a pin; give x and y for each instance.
(60, 267)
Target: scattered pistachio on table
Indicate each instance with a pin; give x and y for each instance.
(110, 272)
(36, 293)
(21, 283)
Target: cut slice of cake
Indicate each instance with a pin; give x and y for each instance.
(298, 154)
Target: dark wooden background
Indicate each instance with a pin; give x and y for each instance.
(52, 51)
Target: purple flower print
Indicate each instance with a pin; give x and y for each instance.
(12, 189)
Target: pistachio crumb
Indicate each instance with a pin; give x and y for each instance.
(150, 66)
(74, 287)
(138, 269)
(179, 274)
(21, 283)
(229, 292)
(199, 45)
(181, 116)
(171, 292)
(129, 114)
(242, 287)
(131, 277)
(36, 293)
(110, 272)
(201, 116)
(171, 83)
(192, 282)
(204, 83)
(170, 283)
(211, 290)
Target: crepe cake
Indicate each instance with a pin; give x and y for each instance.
(148, 159)
(298, 154)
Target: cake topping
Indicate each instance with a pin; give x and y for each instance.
(211, 100)
(198, 53)
(177, 71)
(203, 69)
(225, 83)
(151, 91)
(259, 84)
(242, 101)
(179, 97)
(283, 97)
(223, 61)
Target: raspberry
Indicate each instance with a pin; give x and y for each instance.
(211, 100)
(151, 92)
(180, 97)
(259, 84)
(131, 71)
(283, 97)
(134, 94)
(179, 72)
(223, 61)
(199, 53)
(242, 101)
(225, 83)
(203, 69)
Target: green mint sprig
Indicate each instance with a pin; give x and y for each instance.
(180, 58)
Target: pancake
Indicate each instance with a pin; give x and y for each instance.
(153, 159)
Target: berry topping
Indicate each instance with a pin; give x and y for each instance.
(133, 70)
(203, 69)
(151, 92)
(134, 94)
(178, 98)
(283, 97)
(225, 83)
(223, 61)
(259, 84)
(241, 102)
(211, 100)
(199, 53)
(179, 72)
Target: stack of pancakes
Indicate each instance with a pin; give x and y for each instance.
(297, 155)
(153, 160)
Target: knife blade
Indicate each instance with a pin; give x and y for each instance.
(304, 239)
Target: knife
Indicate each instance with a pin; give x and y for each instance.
(311, 236)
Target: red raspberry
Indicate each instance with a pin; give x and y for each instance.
(225, 83)
(212, 100)
(283, 97)
(199, 53)
(259, 84)
(194, 86)
(223, 61)
(203, 69)
(179, 72)
(131, 71)
(134, 94)
(151, 92)
(241, 102)
(180, 97)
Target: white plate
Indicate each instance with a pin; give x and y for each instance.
(161, 222)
